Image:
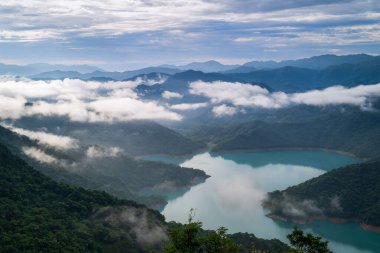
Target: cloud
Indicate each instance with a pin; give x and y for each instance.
(47, 139)
(247, 95)
(359, 95)
(141, 224)
(224, 110)
(169, 95)
(83, 101)
(39, 155)
(100, 152)
(238, 94)
(190, 106)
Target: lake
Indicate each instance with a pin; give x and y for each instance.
(232, 196)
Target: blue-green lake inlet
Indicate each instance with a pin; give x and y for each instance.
(239, 181)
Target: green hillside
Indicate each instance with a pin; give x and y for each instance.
(121, 176)
(351, 192)
(356, 132)
(40, 215)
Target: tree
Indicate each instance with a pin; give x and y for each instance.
(190, 238)
(307, 243)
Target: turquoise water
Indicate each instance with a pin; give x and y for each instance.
(232, 196)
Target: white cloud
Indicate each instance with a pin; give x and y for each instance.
(79, 100)
(358, 95)
(111, 18)
(185, 106)
(169, 95)
(238, 94)
(47, 139)
(39, 155)
(224, 110)
(100, 152)
(11, 108)
(246, 95)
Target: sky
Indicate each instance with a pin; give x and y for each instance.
(130, 34)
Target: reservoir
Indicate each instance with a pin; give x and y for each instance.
(239, 181)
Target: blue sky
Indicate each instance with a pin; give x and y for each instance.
(129, 34)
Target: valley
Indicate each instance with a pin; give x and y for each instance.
(253, 151)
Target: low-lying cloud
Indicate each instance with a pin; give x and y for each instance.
(47, 139)
(83, 101)
(149, 231)
(224, 110)
(169, 95)
(100, 152)
(39, 155)
(247, 95)
(188, 106)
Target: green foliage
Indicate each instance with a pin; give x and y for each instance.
(247, 242)
(351, 192)
(123, 177)
(190, 238)
(355, 132)
(307, 243)
(40, 215)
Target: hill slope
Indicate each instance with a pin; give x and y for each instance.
(351, 193)
(355, 132)
(40, 215)
(119, 175)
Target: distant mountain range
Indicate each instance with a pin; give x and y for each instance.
(36, 68)
(102, 75)
(208, 66)
(288, 76)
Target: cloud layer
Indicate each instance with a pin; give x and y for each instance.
(47, 139)
(83, 101)
(246, 95)
(117, 32)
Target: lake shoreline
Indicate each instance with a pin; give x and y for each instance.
(288, 149)
(336, 220)
(188, 156)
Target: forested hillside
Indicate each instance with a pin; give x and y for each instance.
(121, 175)
(351, 193)
(40, 215)
(357, 133)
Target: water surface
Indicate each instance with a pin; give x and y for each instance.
(232, 196)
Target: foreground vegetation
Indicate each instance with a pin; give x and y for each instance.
(191, 238)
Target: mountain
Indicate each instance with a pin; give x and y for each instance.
(7, 69)
(36, 68)
(240, 69)
(180, 83)
(40, 215)
(90, 167)
(355, 132)
(208, 66)
(298, 79)
(57, 74)
(287, 79)
(136, 138)
(98, 75)
(315, 62)
(349, 193)
(44, 67)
